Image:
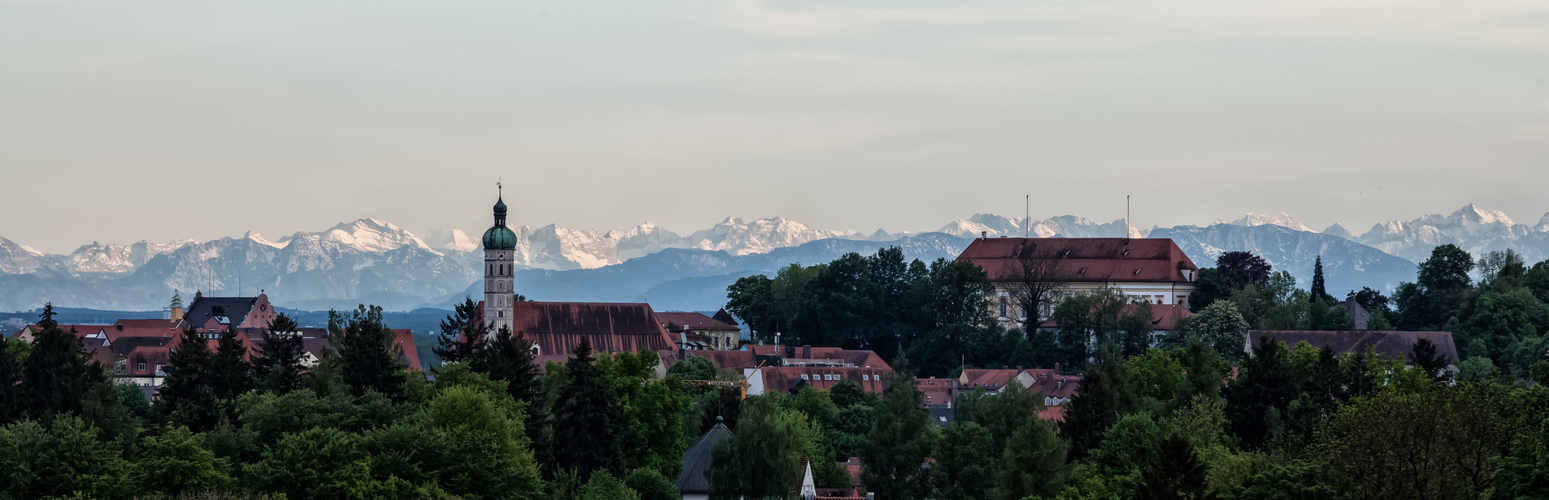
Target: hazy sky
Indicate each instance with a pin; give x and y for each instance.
(128, 120)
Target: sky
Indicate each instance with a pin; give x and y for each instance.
(129, 120)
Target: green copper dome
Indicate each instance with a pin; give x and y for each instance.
(499, 238)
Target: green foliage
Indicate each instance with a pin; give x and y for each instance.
(1437, 443)
(901, 439)
(765, 441)
(464, 333)
(1131, 443)
(316, 464)
(966, 465)
(1478, 369)
(366, 354)
(1299, 480)
(186, 397)
(177, 463)
(1033, 463)
(1105, 396)
(278, 364)
(1087, 321)
(134, 401)
(1524, 473)
(1218, 325)
(1157, 374)
(1001, 413)
(587, 424)
(652, 411)
(651, 485)
(13, 399)
(58, 372)
(603, 486)
(1176, 472)
(1257, 399)
(1318, 291)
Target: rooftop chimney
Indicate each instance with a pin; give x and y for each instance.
(984, 234)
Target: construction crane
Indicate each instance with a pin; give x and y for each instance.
(740, 384)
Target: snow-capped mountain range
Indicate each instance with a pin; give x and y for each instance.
(375, 261)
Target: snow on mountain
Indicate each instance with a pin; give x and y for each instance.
(1283, 220)
(1068, 226)
(368, 235)
(461, 242)
(1340, 231)
(18, 259)
(760, 236)
(1470, 228)
(114, 258)
(1347, 265)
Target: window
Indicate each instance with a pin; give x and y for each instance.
(828, 377)
(865, 377)
(1003, 307)
(140, 367)
(804, 376)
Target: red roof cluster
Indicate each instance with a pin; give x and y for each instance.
(1103, 260)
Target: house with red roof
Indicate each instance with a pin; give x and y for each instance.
(1151, 270)
(695, 332)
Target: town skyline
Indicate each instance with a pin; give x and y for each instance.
(840, 116)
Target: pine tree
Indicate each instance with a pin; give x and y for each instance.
(278, 367)
(365, 352)
(463, 333)
(1105, 394)
(55, 376)
(230, 374)
(509, 359)
(185, 397)
(11, 395)
(1424, 357)
(1318, 291)
(587, 426)
(1176, 474)
(900, 441)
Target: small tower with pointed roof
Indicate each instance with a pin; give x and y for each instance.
(177, 306)
(499, 258)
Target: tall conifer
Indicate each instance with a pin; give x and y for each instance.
(56, 373)
(278, 366)
(185, 397)
(587, 420)
(508, 358)
(1318, 291)
(366, 354)
(463, 333)
(900, 440)
(231, 374)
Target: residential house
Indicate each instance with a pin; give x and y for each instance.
(1360, 315)
(1150, 270)
(787, 369)
(694, 331)
(692, 483)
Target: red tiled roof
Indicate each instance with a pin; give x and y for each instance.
(404, 339)
(987, 378)
(937, 391)
(727, 360)
(1051, 384)
(558, 327)
(855, 357)
(693, 321)
(1054, 414)
(1397, 345)
(783, 378)
(1086, 259)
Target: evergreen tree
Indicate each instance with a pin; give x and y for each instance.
(278, 367)
(57, 373)
(767, 442)
(1176, 474)
(1105, 395)
(1257, 398)
(11, 395)
(463, 333)
(1318, 291)
(366, 356)
(231, 375)
(900, 441)
(965, 464)
(1424, 357)
(1033, 464)
(586, 422)
(508, 358)
(185, 398)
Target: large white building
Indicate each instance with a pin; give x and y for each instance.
(1152, 271)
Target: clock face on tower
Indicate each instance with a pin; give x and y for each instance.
(500, 255)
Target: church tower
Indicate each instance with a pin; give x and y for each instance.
(499, 250)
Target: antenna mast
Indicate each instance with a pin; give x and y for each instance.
(1027, 218)
(1126, 216)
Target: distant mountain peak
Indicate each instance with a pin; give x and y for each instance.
(1340, 231)
(1283, 220)
(372, 235)
(1472, 213)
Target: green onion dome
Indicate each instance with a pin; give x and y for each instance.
(499, 238)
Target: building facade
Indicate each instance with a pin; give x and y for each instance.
(1153, 271)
